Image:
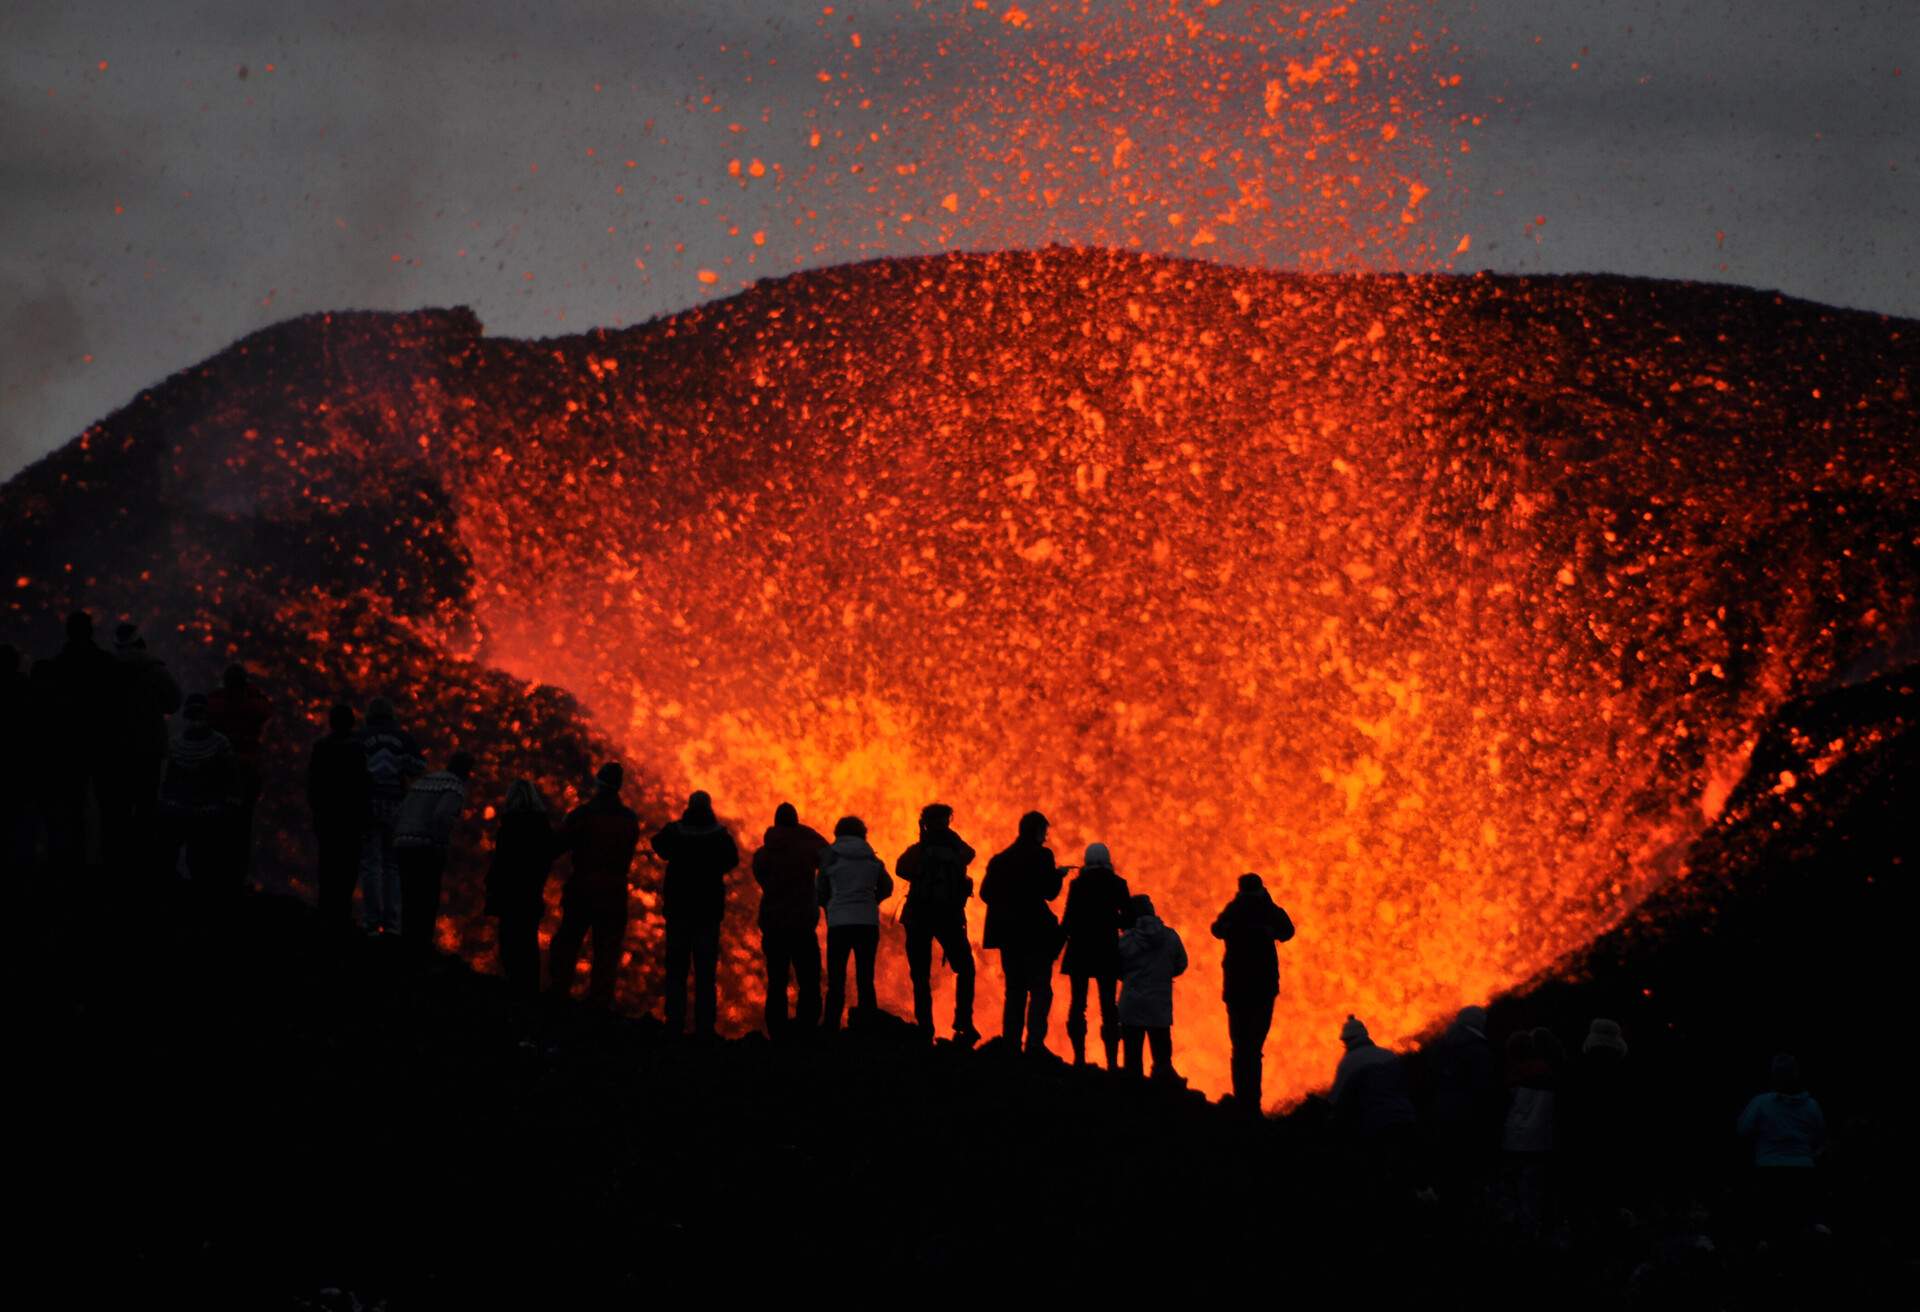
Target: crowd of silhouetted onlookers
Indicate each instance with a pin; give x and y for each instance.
(1555, 1138)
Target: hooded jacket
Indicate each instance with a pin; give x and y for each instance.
(853, 882)
(1151, 955)
(1786, 1128)
(1249, 926)
(1370, 1094)
(938, 885)
(699, 852)
(1019, 883)
(429, 811)
(1099, 906)
(784, 867)
(601, 834)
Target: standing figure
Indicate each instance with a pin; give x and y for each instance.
(75, 692)
(602, 834)
(1373, 1109)
(422, 837)
(699, 852)
(129, 783)
(524, 848)
(337, 797)
(196, 793)
(19, 781)
(784, 867)
(853, 883)
(1019, 882)
(938, 887)
(393, 762)
(241, 712)
(1250, 925)
(1787, 1132)
(1467, 1102)
(1151, 957)
(1098, 908)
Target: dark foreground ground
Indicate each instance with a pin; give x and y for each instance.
(215, 1108)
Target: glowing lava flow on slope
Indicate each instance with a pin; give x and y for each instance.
(1448, 605)
(1451, 605)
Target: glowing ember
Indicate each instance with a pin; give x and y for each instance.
(1450, 605)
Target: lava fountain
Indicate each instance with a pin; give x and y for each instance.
(1452, 605)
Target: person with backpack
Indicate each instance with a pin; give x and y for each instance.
(1249, 926)
(1099, 906)
(853, 883)
(784, 867)
(601, 834)
(699, 852)
(1020, 881)
(938, 888)
(393, 762)
(337, 798)
(422, 838)
(1151, 958)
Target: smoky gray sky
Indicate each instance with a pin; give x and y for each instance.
(177, 173)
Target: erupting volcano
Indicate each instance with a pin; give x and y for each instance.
(1452, 605)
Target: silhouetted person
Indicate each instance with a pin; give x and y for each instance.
(129, 782)
(1467, 1103)
(1372, 1106)
(1151, 958)
(938, 887)
(699, 852)
(337, 797)
(1529, 1134)
(76, 695)
(1019, 882)
(1786, 1130)
(1249, 926)
(393, 762)
(1599, 1131)
(422, 838)
(853, 883)
(524, 849)
(601, 835)
(241, 711)
(785, 867)
(20, 785)
(1099, 906)
(197, 796)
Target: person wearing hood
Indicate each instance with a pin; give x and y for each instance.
(600, 835)
(1787, 1131)
(196, 792)
(784, 867)
(853, 883)
(129, 782)
(393, 762)
(938, 887)
(1465, 1114)
(524, 849)
(1151, 957)
(337, 798)
(1249, 926)
(699, 852)
(422, 838)
(1099, 906)
(1020, 881)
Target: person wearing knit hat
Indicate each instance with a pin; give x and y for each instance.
(1372, 1104)
(1098, 908)
(1249, 926)
(1603, 1033)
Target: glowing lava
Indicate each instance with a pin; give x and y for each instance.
(1451, 605)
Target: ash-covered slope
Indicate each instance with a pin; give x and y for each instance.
(1454, 605)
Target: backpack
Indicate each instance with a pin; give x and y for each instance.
(942, 885)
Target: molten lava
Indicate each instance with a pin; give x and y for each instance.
(1450, 605)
